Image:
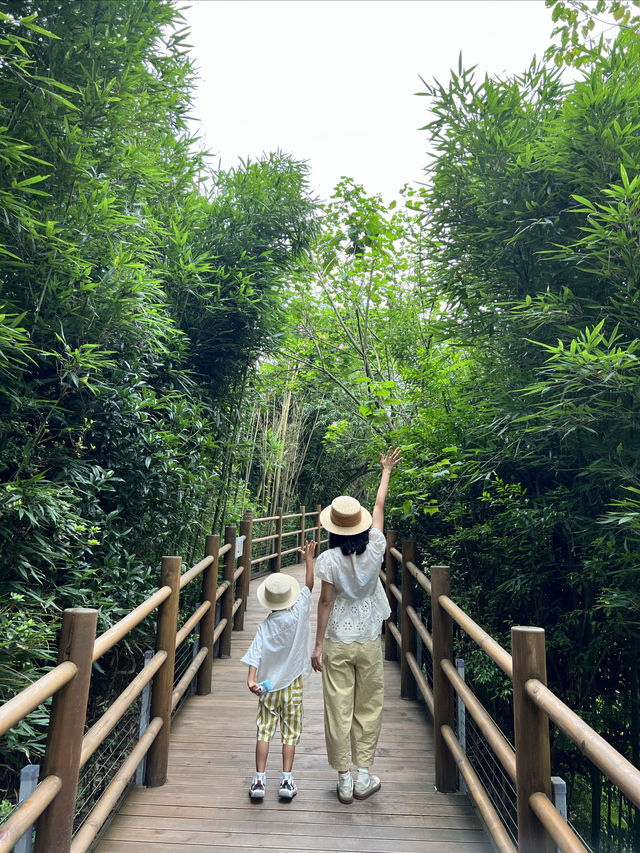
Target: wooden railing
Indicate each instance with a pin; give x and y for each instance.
(51, 806)
(541, 828)
(275, 553)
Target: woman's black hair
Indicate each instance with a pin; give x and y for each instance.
(349, 544)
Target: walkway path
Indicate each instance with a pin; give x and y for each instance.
(205, 808)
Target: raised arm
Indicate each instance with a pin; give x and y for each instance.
(307, 552)
(388, 460)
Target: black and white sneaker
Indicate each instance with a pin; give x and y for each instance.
(257, 789)
(288, 789)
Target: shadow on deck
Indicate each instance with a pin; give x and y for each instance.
(205, 805)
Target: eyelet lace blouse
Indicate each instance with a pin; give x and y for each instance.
(359, 605)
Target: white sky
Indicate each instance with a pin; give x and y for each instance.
(333, 82)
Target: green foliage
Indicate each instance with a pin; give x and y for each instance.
(136, 291)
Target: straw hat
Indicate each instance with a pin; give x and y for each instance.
(345, 516)
(278, 592)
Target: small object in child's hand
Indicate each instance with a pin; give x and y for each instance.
(265, 687)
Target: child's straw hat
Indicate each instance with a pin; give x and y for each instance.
(278, 592)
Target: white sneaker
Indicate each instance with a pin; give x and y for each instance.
(257, 789)
(362, 790)
(345, 790)
(288, 789)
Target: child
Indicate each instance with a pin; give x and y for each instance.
(281, 653)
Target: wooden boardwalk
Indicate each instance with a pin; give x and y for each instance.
(205, 807)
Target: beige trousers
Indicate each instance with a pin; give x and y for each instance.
(353, 691)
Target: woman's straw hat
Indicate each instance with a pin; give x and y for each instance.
(345, 516)
(278, 592)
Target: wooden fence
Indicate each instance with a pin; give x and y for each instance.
(540, 827)
(225, 573)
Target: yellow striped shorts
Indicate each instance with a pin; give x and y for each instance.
(284, 705)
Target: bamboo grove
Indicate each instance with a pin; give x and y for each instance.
(179, 344)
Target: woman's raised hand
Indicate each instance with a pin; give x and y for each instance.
(390, 459)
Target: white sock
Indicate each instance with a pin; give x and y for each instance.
(344, 777)
(363, 775)
(261, 776)
(287, 776)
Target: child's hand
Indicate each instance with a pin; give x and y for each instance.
(254, 687)
(308, 550)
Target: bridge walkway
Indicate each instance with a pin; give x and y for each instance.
(204, 807)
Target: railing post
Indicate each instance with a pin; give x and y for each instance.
(559, 798)
(442, 634)
(531, 727)
(246, 526)
(66, 730)
(407, 681)
(277, 560)
(462, 723)
(162, 689)
(390, 645)
(208, 622)
(145, 717)
(227, 596)
(28, 784)
(318, 527)
(302, 523)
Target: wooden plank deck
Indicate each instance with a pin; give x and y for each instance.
(205, 804)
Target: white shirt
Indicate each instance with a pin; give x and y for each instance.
(281, 648)
(359, 605)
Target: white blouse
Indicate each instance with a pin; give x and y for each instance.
(281, 648)
(359, 605)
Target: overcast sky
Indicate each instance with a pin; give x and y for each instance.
(333, 82)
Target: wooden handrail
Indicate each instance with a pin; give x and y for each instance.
(91, 827)
(114, 713)
(191, 623)
(264, 538)
(620, 771)
(28, 812)
(121, 628)
(222, 587)
(496, 740)
(555, 824)
(397, 636)
(28, 699)
(53, 801)
(194, 571)
(421, 681)
(222, 624)
(418, 624)
(492, 648)
(485, 806)
(257, 560)
(189, 674)
(419, 577)
(289, 550)
(540, 826)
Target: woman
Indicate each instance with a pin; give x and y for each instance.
(348, 651)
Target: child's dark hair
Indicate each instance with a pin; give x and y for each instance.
(349, 544)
